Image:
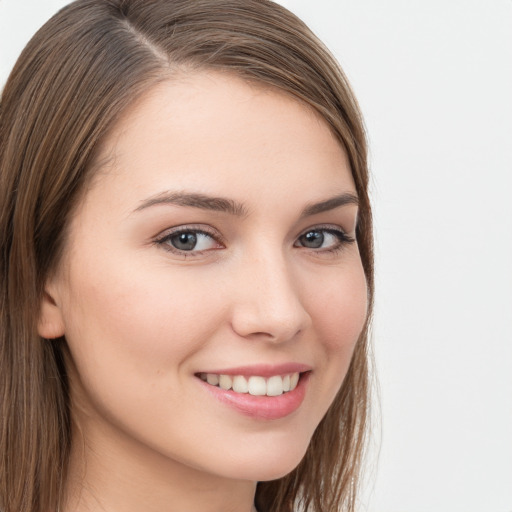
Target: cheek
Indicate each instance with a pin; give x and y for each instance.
(138, 320)
(339, 309)
(132, 335)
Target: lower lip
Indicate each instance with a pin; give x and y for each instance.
(262, 407)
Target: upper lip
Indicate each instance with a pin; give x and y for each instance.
(262, 370)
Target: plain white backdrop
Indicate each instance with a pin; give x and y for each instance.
(434, 80)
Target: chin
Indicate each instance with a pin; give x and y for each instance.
(269, 464)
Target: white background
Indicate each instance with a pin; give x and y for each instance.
(434, 79)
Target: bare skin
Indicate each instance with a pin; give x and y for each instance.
(161, 285)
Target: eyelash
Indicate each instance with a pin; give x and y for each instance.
(165, 241)
(343, 239)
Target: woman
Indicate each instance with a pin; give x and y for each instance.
(186, 264)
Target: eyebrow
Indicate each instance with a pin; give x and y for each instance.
(204, 202)
(330, 204)
(221, 204)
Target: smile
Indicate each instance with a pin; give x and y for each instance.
(254, 385)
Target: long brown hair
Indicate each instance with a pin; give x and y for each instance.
(70, 85)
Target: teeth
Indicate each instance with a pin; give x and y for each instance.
(212, 379)
(225, 382)
(275, 386)
(254, 385)
(257, 386)
(240, 384)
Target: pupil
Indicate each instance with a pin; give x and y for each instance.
(184, 241)
(313, 239)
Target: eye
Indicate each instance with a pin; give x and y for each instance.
(326, 239)
(189, 240)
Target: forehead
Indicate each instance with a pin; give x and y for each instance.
(214, 132)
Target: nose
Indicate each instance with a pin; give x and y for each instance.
(268, 302)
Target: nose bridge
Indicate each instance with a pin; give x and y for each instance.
(269, 301)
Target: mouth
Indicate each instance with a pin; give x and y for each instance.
(260, 392)
(255, 385)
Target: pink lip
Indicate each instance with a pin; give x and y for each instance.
(262, 407)
(263, 370)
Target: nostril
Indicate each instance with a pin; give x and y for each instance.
(272, 323)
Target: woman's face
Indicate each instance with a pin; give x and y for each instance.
(215, 244)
